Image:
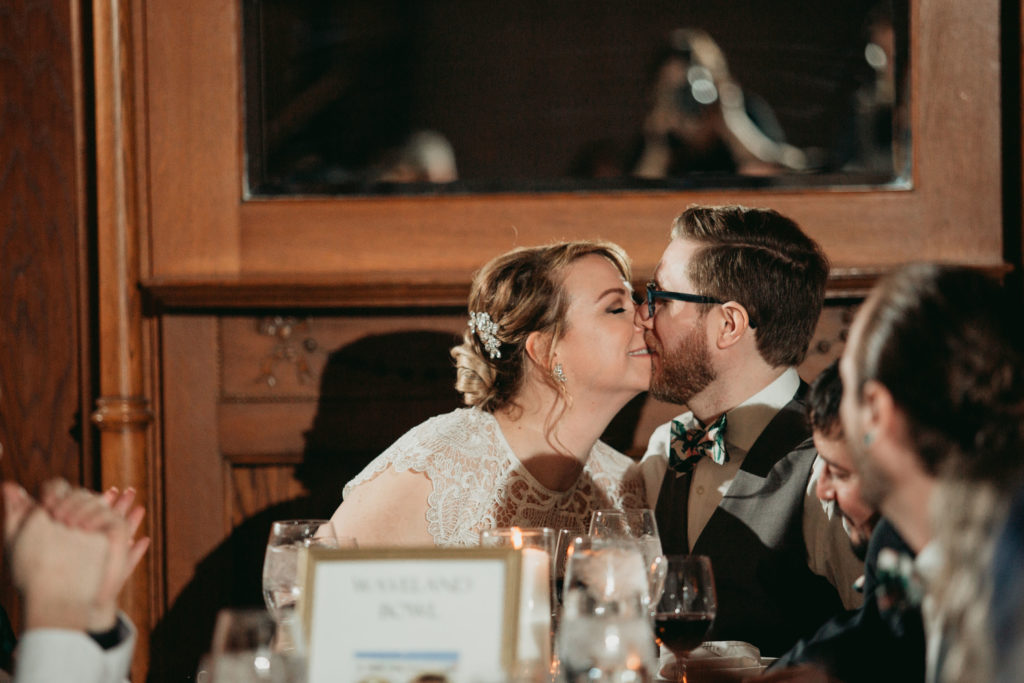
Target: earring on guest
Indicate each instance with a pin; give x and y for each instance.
(559, 373)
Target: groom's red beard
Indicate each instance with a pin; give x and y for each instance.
(680, 374)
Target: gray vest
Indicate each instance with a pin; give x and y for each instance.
(767, 595)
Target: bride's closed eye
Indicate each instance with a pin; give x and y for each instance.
(618, 306)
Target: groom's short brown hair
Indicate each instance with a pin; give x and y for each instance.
(764, 261)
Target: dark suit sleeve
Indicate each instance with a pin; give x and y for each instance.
(851, 645)
(7, 642)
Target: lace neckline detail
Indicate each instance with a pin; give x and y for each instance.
(479, 483)
(521, 467)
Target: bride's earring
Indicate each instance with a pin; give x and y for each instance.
(559, 373)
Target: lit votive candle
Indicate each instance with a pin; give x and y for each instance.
(537, 547)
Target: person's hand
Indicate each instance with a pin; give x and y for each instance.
(113, 515)
(797, 674)
(121, 502)
(71, 554)
(57, 570)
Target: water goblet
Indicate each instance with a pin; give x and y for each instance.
(604, 631)
(282, 585)
(564, 544)
(686, 609)
(640, 525)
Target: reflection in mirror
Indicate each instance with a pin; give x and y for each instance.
(404, 96)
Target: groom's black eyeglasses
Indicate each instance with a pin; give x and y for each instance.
(653, 294)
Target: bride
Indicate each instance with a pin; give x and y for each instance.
(550, 355)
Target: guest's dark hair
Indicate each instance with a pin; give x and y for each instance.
(823, 402)
(762, 260)
(948, 344)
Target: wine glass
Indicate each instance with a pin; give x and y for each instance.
(686, 608)
(640, 525)
(282, 585)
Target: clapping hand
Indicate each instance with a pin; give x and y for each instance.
(71, 553)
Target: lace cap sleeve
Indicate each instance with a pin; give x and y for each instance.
(461, 455)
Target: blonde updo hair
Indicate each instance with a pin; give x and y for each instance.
(522, 291)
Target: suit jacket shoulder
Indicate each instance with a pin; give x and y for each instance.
(850, 645)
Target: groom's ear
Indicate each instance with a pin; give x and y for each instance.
(735, 321)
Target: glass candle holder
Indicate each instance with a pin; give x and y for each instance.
(537, 586)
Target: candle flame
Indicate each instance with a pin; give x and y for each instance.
(517, 538)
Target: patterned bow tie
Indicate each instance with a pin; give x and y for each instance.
(690, 445)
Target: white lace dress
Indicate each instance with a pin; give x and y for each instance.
(479, 483)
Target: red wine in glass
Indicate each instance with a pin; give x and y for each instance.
(686, 607)
(681, 633)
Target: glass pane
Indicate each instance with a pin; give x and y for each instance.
(439, 96)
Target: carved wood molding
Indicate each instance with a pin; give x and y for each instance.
(374, 290)
(122, 414)
(416, 290)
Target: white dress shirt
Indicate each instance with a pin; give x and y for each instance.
(828, 546)
(46, 655)
(928, 565)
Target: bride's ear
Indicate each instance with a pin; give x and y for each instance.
(538, 348)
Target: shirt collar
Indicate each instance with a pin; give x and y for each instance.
(748, 419)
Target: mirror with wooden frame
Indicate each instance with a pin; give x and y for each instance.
(395, 97)
(211, 241)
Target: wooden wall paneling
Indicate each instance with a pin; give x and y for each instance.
(399, 236)
(296, 385)
(40, 274)
(196, 516)
(257, 487)
(193, 129)
(45, 379)
(257, 348)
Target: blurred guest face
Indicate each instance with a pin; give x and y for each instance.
(840, 483)
(681, 363)
(603, 349)
(875, 481)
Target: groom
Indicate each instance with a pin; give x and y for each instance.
(728, 317)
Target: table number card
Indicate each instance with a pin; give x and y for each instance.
(394, 615)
